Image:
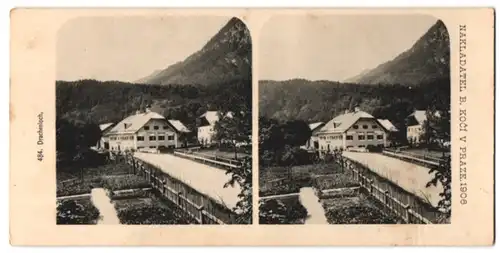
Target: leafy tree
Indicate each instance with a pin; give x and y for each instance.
(442, 174)
(296, 132)
(234, 128)
(436, 128)
(243, 177)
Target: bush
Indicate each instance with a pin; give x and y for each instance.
(286, 211)
(373, 148)
(296, 156)
(76, 212)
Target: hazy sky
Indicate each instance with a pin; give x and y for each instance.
(129, 48)
(334, 47)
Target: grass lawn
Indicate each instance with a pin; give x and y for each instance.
(149, 210)
(282, 211)
(359, 209)
(224, 154)
(80, 211)
(425, 152)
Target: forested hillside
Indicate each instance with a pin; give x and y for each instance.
(101, 102)
(313, 101)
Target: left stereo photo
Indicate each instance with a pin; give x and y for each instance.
(154, 120)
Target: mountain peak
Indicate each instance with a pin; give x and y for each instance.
(428, 59)
(225, 57)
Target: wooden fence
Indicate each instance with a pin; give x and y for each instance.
(410, 208)
(200, 207)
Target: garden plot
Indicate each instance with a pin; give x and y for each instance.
(355, 209)
(284, 180)
(148, 210)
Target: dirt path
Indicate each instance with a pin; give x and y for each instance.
(316, 213)
(106, 209)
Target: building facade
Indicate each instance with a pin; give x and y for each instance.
(147, 130)
(103, 143)
(355, 129)
(313, 142)
(414, 128)
(206, 127)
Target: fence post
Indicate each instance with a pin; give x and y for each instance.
(200, 212)
(386, 198)
(406, 215)
(133, 166)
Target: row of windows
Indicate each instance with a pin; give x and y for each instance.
(365, 126)
(336, 137)
(123, 138)
(153, 138)
(414, 130)
(362, 137)
(350, 137)
(170, 146)
(155, 127)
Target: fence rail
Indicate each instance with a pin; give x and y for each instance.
(404, 205)
(212, 160)
(194, 204)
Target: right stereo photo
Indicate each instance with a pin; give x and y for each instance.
(354, 120)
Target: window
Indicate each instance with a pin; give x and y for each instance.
(152, 138)
(369, 137)
(152, 146)
(161, 138)
(365, 126)
(380, 137)
(348, 137)
(361, 137)
(165, 127)
(170, 137)
(374, 126)
(131, 137)
(361, 146)
(156, 127)
(355, 126)
(140, 138)
(146, 127)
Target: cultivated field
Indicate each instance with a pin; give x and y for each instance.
(110, 176)
(355, 209)
(149, 209)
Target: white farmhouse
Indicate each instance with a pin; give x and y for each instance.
(104, 141)
(313, 143)
(415, 123)
(355, 129)
(206, 126)
(146, 130)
